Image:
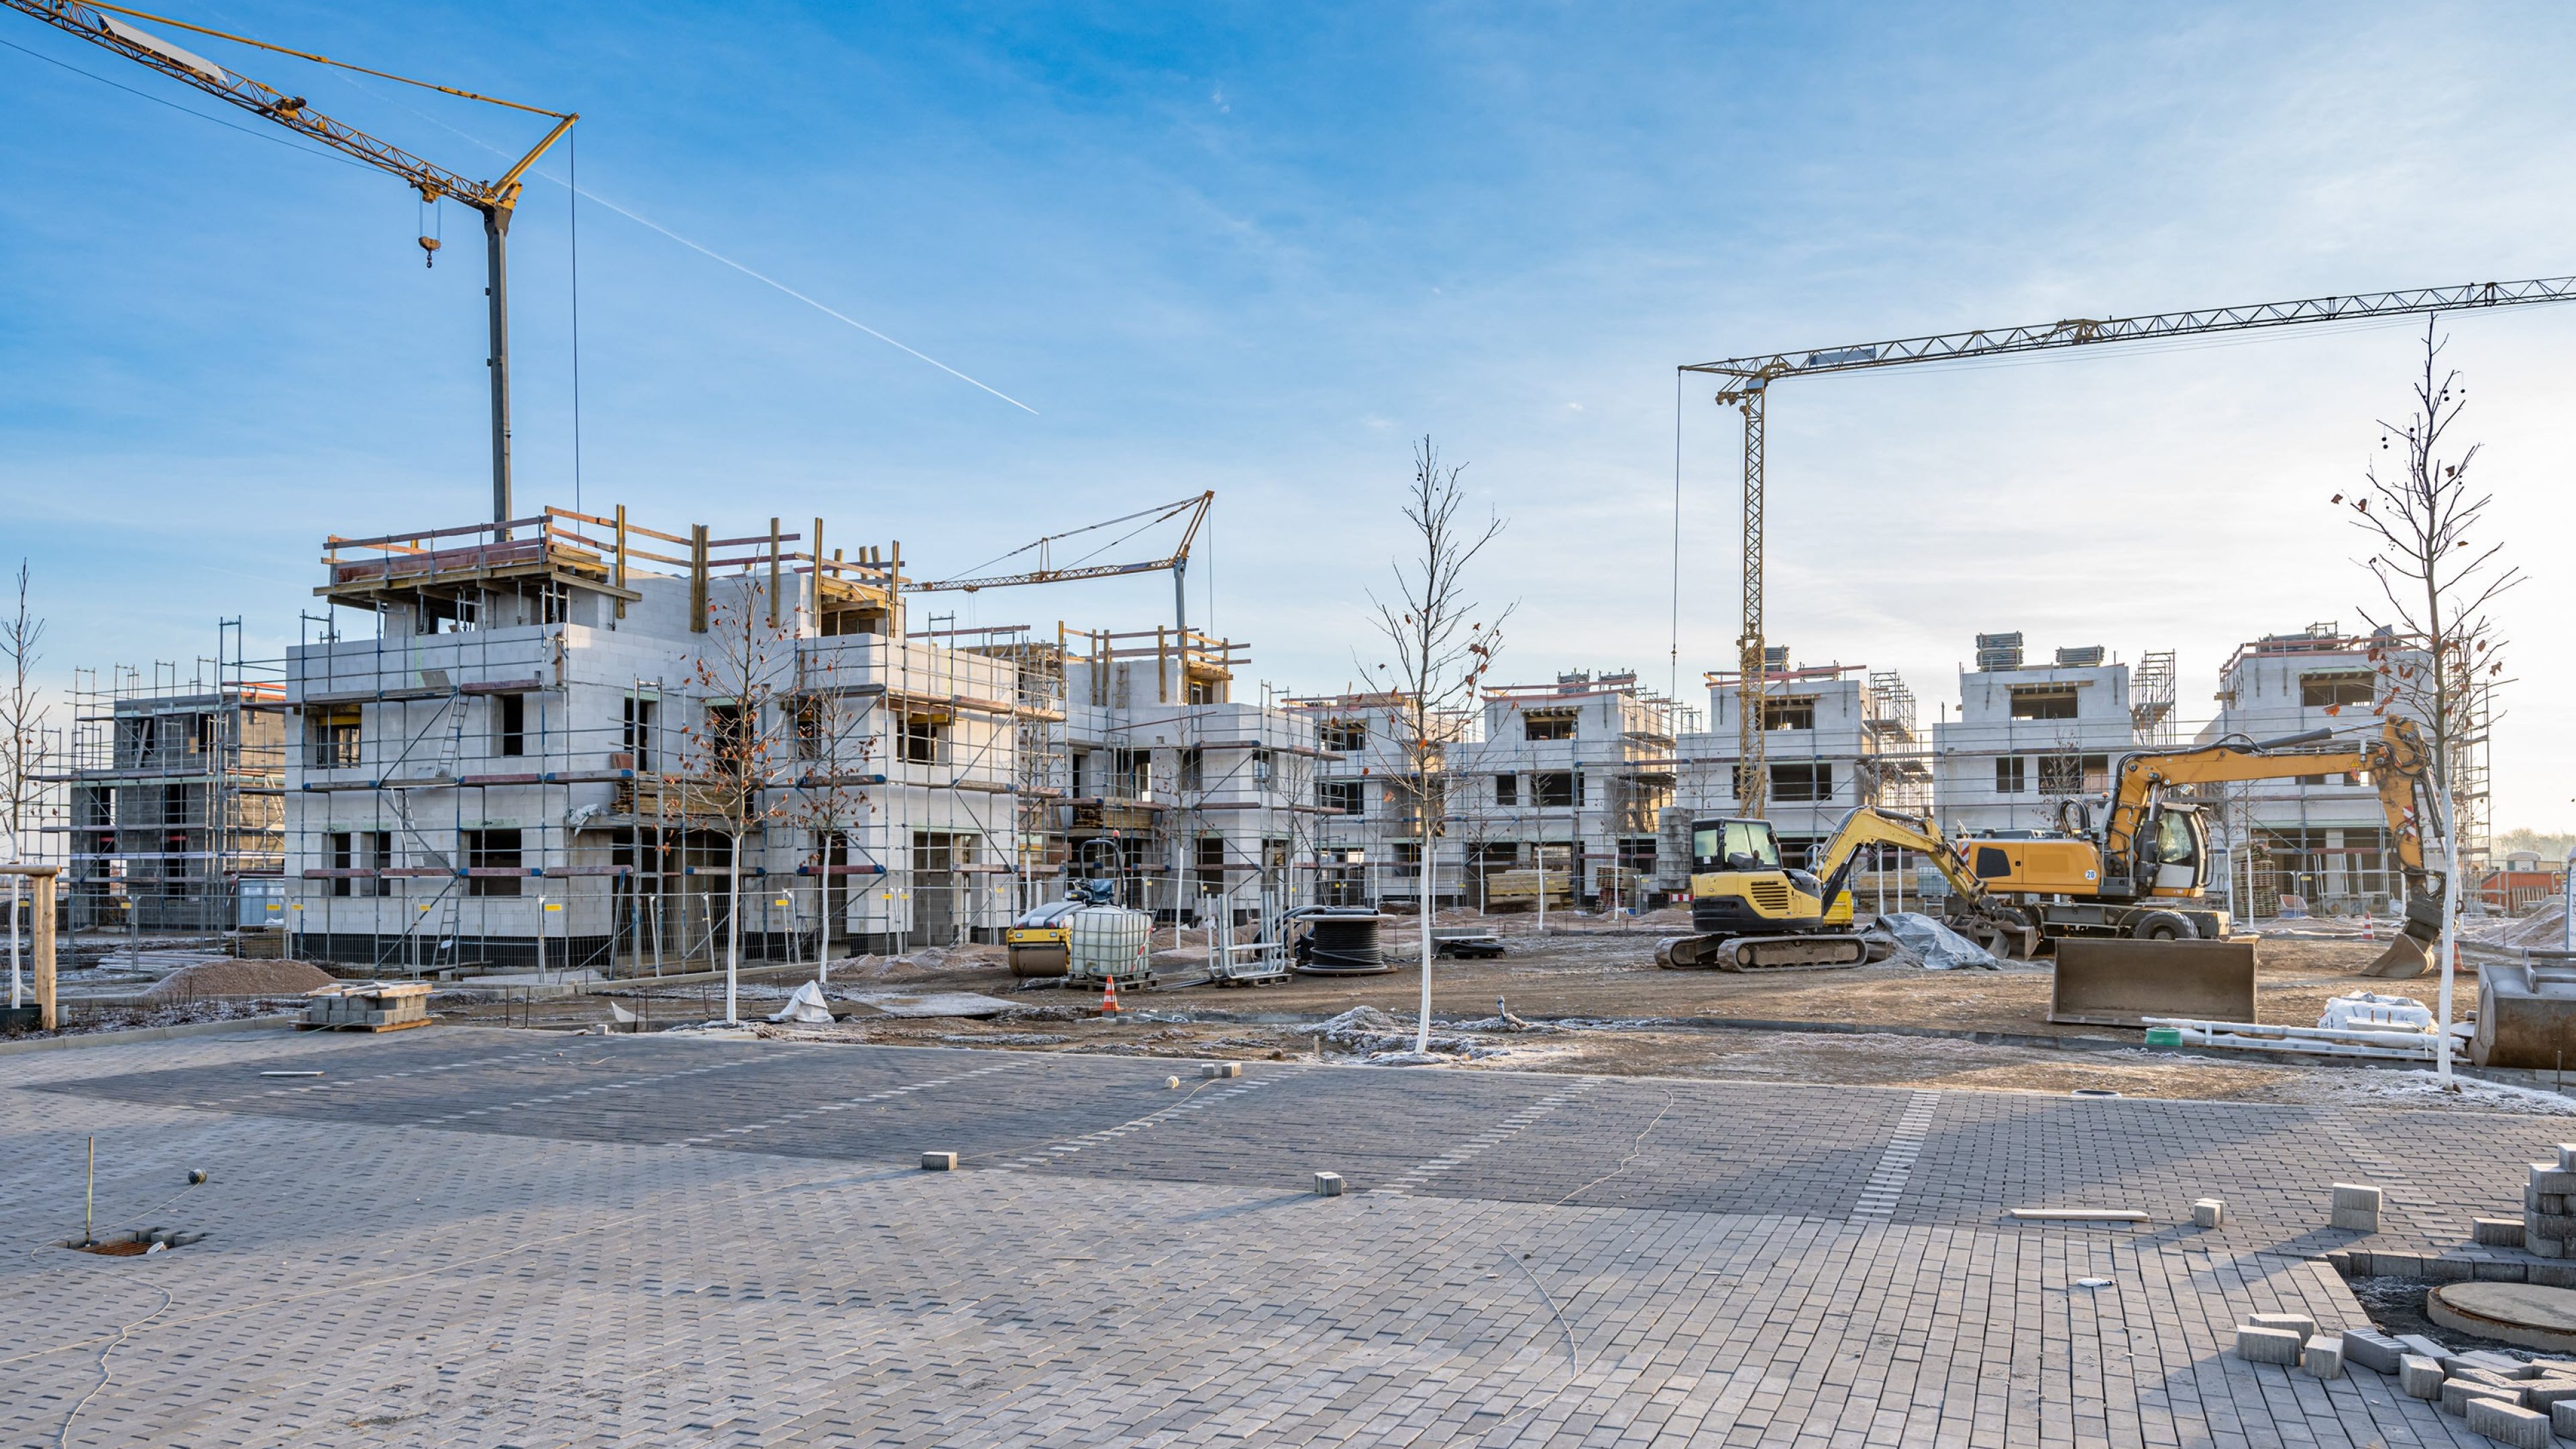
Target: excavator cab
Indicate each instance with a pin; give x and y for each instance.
(1740, 888)
(2173, 852)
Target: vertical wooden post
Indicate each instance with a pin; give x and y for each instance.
(773, 573)
(617, 574)
(815, 601)
(43, 944)
(697, 578)
(1162, 667)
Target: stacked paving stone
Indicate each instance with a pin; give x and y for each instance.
(367, 1006)
(2504, 1398)
(2549, 1205)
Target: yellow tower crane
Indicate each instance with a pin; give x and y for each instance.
(1748, 388)
(100, 26)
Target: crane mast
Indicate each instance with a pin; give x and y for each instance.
(496, 200)
(1749, 382)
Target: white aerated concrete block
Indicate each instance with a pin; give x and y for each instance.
(2298, 1323)
(939, 1162)
(2323, 1357)
(2268, 1345)
(1219, 1070)
(2419, 1376)
(2509, 1423)
(2209, 1212)
(2372, 1350)
(2356, 1207)
(1328, 1184)
(2496, 1232)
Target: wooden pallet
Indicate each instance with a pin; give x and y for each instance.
(361, 1026)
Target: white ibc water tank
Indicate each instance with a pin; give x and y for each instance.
(1107, 941)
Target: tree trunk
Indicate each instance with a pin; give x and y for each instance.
(823, 915)
(733, 934)
(1422, 1025)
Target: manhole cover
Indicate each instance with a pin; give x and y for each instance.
(2523, 1313)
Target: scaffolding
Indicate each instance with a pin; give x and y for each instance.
(2151, 701)
(172, 780)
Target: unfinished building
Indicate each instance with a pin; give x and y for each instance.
(173, 789)
(1549, 788)
(577, 741)
(2032, 740)
(1835, 736)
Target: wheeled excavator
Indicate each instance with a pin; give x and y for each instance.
(2144, 873)
(1752, 913)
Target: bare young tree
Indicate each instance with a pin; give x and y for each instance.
(2443, 660)
(735, 751)
(1441, 655)
(2438, 655)
(22, 721)
(833, 744)
(22, 747)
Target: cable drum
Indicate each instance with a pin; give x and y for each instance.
(1342, 942)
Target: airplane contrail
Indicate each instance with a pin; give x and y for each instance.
(836, 315)
(790, 291)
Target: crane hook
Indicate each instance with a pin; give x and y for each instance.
(429, 251)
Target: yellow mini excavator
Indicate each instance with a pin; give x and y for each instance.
(2144, 873)
(1753, 913)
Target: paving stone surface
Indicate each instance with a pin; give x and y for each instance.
(464, 1237)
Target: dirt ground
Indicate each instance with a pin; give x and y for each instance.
(1597, 1004)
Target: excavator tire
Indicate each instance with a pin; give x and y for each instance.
(2163, 926)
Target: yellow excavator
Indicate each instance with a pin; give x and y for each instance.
(2144, 873)
(1752, 913)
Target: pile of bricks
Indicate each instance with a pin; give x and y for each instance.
(2502, 1397)
(2549, 1206)
(366, 1006)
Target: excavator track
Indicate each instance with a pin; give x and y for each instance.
(1818, 951)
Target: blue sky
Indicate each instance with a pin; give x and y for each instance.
(1258, 250)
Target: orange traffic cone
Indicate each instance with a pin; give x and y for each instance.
(1108, 998)
(2369, 927)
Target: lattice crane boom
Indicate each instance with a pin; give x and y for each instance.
(1750, 379)
(496, 200)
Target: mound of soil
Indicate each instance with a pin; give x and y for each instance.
(240, 978)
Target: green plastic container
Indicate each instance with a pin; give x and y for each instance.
(2164, 1036)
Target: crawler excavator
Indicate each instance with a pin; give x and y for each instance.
(1755, 914)
(2144, 873)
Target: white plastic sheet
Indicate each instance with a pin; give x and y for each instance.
(806, 1005)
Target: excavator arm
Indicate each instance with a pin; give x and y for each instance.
(1972, 906)
(1871, 825)
(2397, 763)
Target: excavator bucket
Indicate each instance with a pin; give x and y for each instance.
(2404, 957)
(2117, 982)
(2411, 952)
